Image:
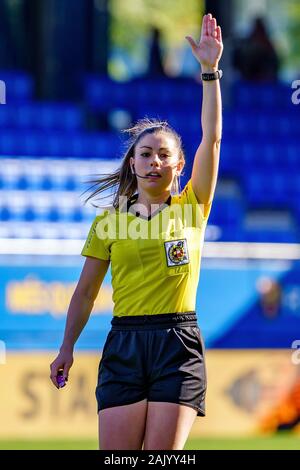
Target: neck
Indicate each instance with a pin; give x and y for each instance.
(146, 199)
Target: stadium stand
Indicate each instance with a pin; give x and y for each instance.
(47, 153)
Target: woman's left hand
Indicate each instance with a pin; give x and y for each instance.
(210, 47)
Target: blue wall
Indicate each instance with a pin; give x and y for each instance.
(35, 293)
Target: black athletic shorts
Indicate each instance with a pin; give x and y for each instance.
(155, 357)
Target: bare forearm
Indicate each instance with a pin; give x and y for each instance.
(211, 116)
(208, 52)
(78, 314)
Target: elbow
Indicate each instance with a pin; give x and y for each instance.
(214, 140)
(87, 294)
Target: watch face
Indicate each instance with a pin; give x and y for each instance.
(212, 76)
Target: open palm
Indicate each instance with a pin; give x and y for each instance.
(210, 47)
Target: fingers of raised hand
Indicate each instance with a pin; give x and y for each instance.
(204, 30)
(191, 41)
(219, 34)
(209, 26)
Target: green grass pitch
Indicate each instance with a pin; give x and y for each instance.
(280, 442)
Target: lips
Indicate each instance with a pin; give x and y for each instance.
(153, 175)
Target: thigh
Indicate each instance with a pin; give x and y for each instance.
(121, 377)
(178, 372)
(168, 426)
(123, 427)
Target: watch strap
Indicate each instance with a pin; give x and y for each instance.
(207, 77)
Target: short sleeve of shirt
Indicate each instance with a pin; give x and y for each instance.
(94, 245)
(187, 196)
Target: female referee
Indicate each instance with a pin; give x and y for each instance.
(152, 379)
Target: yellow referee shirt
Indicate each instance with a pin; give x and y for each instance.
(155, 261)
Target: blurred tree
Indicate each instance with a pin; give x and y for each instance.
(133, 20)
(155, 64)
(283, 19)
(7, 52)
(292, 59)
(255, 56)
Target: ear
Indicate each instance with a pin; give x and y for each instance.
(179, 168)
(131, 163)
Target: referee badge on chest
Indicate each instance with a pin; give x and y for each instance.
(177, 252)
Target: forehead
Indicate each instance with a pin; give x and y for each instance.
(157, 141)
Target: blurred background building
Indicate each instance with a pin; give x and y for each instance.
(75, 74)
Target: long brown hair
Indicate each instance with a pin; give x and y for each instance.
(122, 179)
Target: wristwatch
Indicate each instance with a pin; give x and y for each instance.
(207, 77)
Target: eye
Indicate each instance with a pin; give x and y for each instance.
(146, 154)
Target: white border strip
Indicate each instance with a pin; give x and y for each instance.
(234, 250)
(45, 246)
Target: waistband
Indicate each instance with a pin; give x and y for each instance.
(151, 322)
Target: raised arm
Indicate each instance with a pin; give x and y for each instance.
(206, 162)
(79, 311)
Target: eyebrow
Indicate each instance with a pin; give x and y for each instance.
(146, 146)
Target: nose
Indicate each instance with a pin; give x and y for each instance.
(155, 160)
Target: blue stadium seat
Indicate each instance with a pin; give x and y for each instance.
(291, 155)
(259, 148)
(31, 144)
(262, 96)
(22, 183)
(5, 116)
(70, 184)
(8, 143)
(227, 211)
(9, 180)
(246, 123)
(105, 145)
(53, 143)
(263, 189)
(53, 215)
(48, 116)
(19, 86)
(166, 92)
(105, 94)
(29, 215)
(5, 214)
(77, 215)
(46, 183)
(99, 92)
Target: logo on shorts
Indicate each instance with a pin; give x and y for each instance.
(177, 252)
